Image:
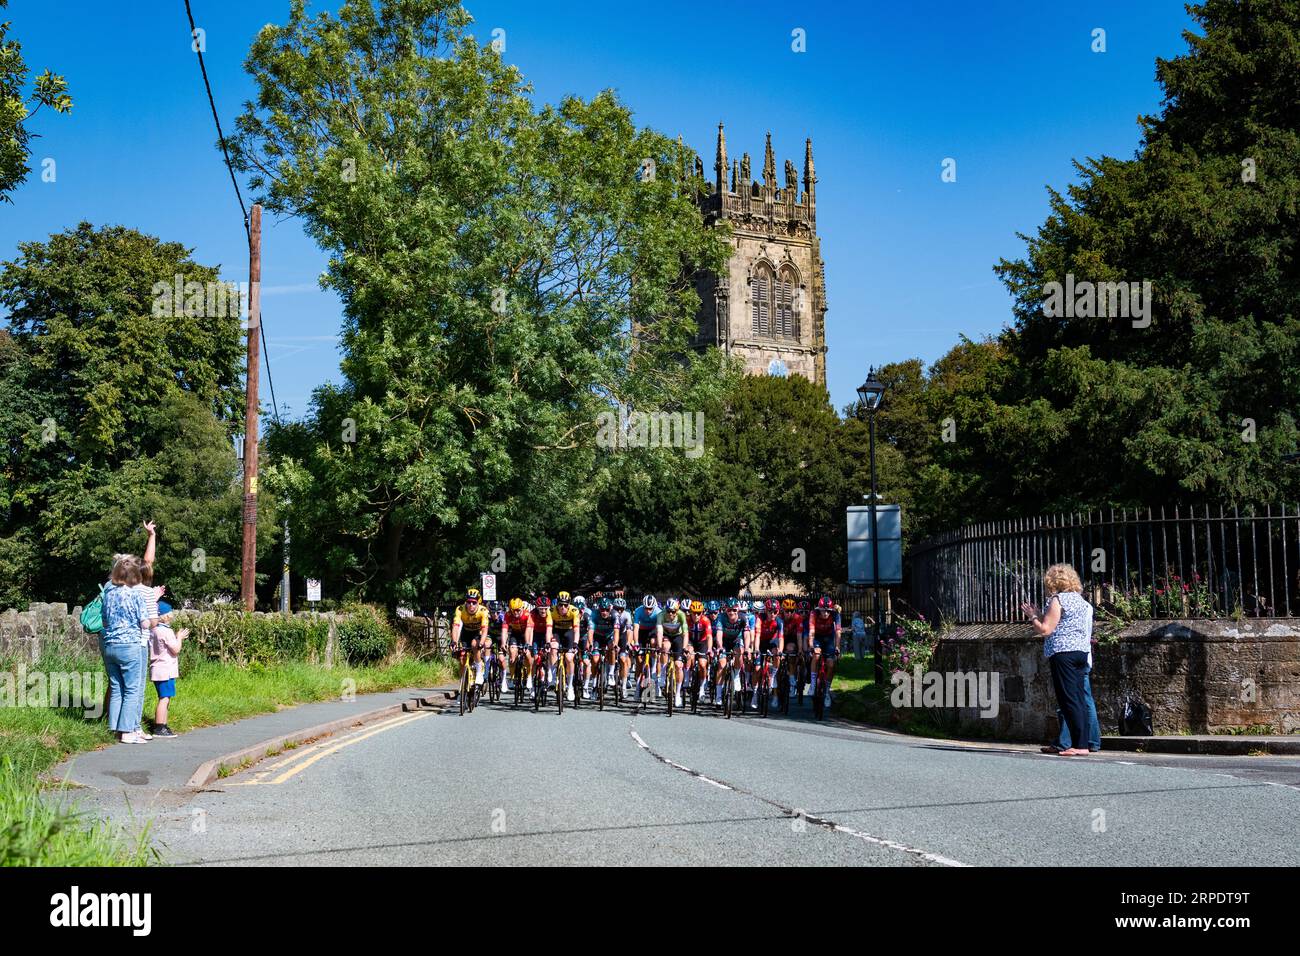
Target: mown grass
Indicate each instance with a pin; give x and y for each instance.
(859, 698)
(36, 831)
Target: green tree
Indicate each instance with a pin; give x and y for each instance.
(506, 276)
(16, 112)
(117, 408)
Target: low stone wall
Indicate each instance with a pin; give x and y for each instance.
(1197, 676)
(25, 635)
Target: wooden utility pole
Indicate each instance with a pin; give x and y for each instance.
(248, 577)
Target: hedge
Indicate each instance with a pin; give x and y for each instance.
(363, 636)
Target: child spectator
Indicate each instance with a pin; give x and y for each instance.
(164, 667)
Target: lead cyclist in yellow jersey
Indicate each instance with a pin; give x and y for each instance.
(469, 628)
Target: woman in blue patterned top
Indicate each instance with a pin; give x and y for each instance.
(1066, 626)
(125, 616)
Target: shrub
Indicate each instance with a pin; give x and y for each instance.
(912, 643)
(233, 636)
(364, 635)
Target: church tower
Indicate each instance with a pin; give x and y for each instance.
(770, 306)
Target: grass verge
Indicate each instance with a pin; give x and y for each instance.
(36, 830)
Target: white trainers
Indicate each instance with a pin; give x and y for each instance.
(568, 693)
(528, 685)
(677, 699)
(828, 699)
(133, 738)
(735, 682)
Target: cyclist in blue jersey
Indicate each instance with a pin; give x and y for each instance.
(604, 638)
(624, 640)
(645, 633)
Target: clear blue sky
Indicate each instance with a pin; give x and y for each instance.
(887, 91)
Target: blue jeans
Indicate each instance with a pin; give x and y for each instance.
(126, 676)
(1094, 728)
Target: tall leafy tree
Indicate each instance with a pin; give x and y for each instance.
(119, 405)
(506, 275)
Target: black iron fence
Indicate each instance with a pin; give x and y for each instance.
(1193, 562)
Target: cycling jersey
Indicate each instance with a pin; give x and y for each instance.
(645, 620)
(473, 621)
(772, 628)
(541, 617)
(602, 628)
(731, 631)
(584, 623)
(624, 627)
(517, 625)
(825, 628)
(673, 622)
(794, 626)
(701, 632)
(564, 620)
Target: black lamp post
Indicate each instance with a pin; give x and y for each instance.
(870, 393)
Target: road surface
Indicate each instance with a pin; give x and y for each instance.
(499, 787)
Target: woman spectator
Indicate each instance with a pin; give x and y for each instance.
(125, 616)
(1065, 624)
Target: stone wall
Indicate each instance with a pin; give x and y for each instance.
(1197, 676)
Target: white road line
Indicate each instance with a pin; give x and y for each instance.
(818, 821)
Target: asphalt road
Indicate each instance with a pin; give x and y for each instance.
(499, 787)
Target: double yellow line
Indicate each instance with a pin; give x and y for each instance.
(279, 771)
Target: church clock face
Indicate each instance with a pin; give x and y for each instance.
(777, 367)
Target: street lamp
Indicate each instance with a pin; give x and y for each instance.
(870, 393)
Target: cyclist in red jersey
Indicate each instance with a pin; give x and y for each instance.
(824, 640)
(699, 641)
(517, 635)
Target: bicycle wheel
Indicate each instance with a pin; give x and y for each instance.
(559, 684)
(539, 687)
(517, 672)
(728, 693)
(670, 682)
(764, 692)
(463, 696)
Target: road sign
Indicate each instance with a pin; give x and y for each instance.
(313, 589)
(489, 587)
(889, 525)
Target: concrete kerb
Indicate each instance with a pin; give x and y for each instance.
(210, 770)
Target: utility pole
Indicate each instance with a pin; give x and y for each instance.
(248, 579)
(285, 606)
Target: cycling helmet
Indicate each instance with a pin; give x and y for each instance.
(649, 603)
(580, 602)
(771, 605)
(516, 604)
(672, 604)
(733, 604)
(824, 604)
(697, 607)
(604, 604)
(542, 601)
(788, 605)
(756, 606)
(803, 605)
(620, 604)
(563, 598)
(714, 607)
(472, 594)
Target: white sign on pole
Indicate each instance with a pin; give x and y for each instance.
(489, 587)
(313, 589)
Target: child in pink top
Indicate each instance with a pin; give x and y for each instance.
(164, 667)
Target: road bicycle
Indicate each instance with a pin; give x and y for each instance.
(670, 682)
(495, 673)
(733, 672)
(697, 678)
(763, 681)
(539, 679)
(788, 667)
(469, 687)
(645, 674)
(519, 674)
(819, 688)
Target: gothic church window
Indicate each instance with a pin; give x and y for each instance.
(760, 292)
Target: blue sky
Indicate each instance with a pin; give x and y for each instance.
(1011, 90)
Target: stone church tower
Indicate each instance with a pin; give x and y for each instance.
(770, 307)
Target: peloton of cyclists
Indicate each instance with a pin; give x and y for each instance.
(684, 634)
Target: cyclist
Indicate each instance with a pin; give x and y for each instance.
(645, 633)
(671, 631)
(564, 636)
(699, 643)
(769, 636)
(469, 629)
(792, 633)
(605, 637)
(517, 635)
(713, 611)
(824, 638)
(624, 639)
(540, 613)
(731, 639)
(584, 668)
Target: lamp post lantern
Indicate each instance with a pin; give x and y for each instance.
(870, 393)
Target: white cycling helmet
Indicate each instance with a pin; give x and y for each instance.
(672, 604)
(579, 601)
(649, 603)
